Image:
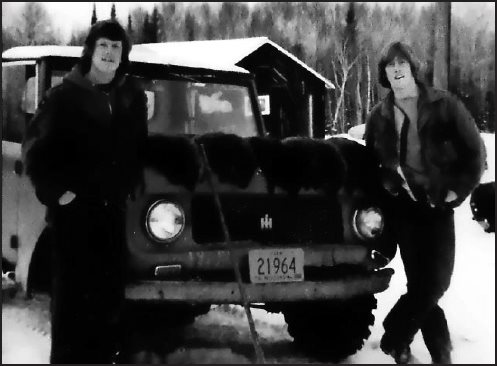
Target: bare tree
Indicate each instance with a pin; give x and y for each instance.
(358, 119)
(35, 26)
(368, 98)
(344, 67)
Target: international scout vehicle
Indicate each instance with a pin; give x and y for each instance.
(304, 220)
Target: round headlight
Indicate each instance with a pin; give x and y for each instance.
(368, 223)
(165, 221)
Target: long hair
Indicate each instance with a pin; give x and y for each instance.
(401, 50)
(112, 30)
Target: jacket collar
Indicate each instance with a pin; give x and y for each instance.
(427, 95)
(75, 76)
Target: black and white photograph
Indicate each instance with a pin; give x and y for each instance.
(248, 182)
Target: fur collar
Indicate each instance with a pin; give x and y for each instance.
(75, 76)
(427, 95)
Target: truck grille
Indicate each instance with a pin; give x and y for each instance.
(271, 219)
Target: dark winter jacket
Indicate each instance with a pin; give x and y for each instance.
(452, 150)
(87, 141)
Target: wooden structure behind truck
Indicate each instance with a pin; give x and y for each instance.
(294, 94)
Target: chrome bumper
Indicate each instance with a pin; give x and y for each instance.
(208, 258)
(228, 292)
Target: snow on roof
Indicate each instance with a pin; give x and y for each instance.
(222, 52)
(139, 53)
(187, 55)
(34, 52)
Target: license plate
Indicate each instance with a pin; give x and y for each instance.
(276, 265)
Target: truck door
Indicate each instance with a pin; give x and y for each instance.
(22, 214)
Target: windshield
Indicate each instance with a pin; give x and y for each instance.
(185, 107)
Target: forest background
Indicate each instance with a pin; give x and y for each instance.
(342, 41)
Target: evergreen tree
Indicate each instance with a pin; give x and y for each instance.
(113, 11)
(78, 38)
(94, 15)
(256, 26)
(226, 18)
(130, 27)
(190, 26)
(137, 19)
(8, 39)
(208, 20)
(173, 26)
(146, 30)
(154, 26)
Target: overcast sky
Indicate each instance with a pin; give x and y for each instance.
(77, 15)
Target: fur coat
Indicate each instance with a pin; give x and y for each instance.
(87, 141)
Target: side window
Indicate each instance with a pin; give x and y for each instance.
(28, 102)
(18, 99)
(150, 93)
(150, 104)
(56, 80)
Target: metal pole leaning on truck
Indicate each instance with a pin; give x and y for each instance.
(227, 240)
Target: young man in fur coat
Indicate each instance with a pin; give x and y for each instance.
(83, 151)
(431, 157)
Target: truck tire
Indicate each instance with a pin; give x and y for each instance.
(151, 329)
(331, 330)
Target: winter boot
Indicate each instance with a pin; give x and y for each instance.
(400, 353)
(442, 358)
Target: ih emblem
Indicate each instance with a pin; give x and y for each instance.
(266, 222)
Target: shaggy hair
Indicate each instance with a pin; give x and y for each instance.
(112, 30)
(401, 50)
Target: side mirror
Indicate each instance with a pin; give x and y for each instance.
(150, 104)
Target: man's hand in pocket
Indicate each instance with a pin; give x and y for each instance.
(451, 196)
(66, 198)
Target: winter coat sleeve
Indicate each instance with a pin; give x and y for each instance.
(40, 155)
(390, 179)
(471, 164)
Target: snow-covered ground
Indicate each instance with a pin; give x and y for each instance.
(469, 305)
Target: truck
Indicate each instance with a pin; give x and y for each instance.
(303, 221)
